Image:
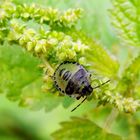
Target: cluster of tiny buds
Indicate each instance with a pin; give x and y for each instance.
(128, 105)
(39, 43)
(48, 15)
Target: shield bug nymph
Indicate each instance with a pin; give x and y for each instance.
(73, 79)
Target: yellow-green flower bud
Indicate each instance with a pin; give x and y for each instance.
(53, 41)
(30, 46)
(41, 46)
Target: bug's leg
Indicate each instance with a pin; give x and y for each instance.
(52, 77)
(79, 104)
(78, 97)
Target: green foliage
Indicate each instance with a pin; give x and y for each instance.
(14, 68)
(125, 18)
(81, 129)
(63, 45)
(42, 15)
(20, 79)
(101, 61)
(50, 36)
(130, 78)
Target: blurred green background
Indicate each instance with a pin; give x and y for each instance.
(19, 123)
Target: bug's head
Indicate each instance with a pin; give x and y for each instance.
(87, 89)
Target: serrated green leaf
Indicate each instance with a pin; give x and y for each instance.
(101, 61)
(33, 98)
(21, 79)
(82, 129)
(125, 16)
(18, 69)
(130, 77)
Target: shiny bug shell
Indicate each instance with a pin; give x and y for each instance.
(73, 80)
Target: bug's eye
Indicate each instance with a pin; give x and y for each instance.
(87, 90)
(90, 89)
(84, 91)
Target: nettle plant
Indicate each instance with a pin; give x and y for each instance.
(50, 37)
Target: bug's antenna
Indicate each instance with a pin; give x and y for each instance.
(79, 104)
(101, 84)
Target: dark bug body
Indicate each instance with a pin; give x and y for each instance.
(73, 80)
